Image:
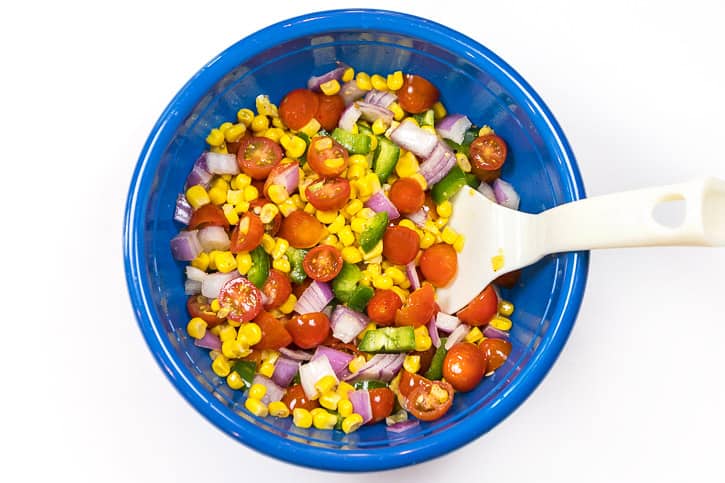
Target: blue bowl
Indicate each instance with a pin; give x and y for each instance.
(472, 80)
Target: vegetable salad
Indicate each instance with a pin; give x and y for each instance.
(316, 233)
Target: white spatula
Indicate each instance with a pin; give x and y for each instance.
(499, 240)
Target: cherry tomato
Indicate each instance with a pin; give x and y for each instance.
(464, 366)
(487, 153)
(274, 333)
(329, 111)
(299, 288)
(488, 176)
(257, 156)
(407, 195)
(409, 381)
(242, 298)
(400, 244)
(481, 309)
(417, 94)
(277, 288)
(418, 309)
(309, 330)
(326, 156)
(382, 400)
(208, 215)
(295, 398)
(495, 351)
(427, 404)
(279, 174)
(272, 227)
(323, 263)
(198, 306)
(439, 264)
(508, 280)
(382, 307)
(301, 230)
(328, 194)
(298, 107)
(248, 233)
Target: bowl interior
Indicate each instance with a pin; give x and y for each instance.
(472, 81)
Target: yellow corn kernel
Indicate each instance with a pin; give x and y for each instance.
(297, 200)
(439, 393)
(375, 252)
(270, 355)
(326, 217)
(505, 308)
(256, 407)
(449, 235)
(373, 269)
(311, 127)
(284, 140)
(251, 193)
(439, 110)
(277, 122)
(217, 195)
(227, 332)
(301, 418)
(395, 80)
(362, 80)
(233, 349)
(344, 408)
(324, 421)
(445, 209)
(355, 129)
(220, 365)
(289, 304)
(277, 193)
(245, 116)
(196, 328)
(485, 130)
(266, 369)
(197, 196)
(337, 224)
(458, 244)
(379, 126)
(429, 129)
(343, 388)
(474, 335)
(463, 162)
(225, 262)
(315, 411)
(239, 182)
(264, 106)
(257, 391)
(280, 248)
(329, 400)
(421, 180)
(407, 165)
(260, 123)
(405, 284)
(411, 363)
(215, 305)
(398, 112)
(201, 261)
(378, 82)
(358, 224)
(234, 380)
(212, 262)
(358, 159)
(356, 363)
(366, 279)
(326, 383)
(348, 75)
(353, 207)
(296, 147)
(224, 126)
(330, 240)
(351, 254)
(382, 282)
(412, 120)
(396, 275)
(230, 213)
(287, 207)
(268, 212)
(346, 236)
(403, 294)
(309, 209)
(215, 138)
(282, 264)
(422, 339)
(220, 183)
(352, 423)
(235, 132)
(251, 332)
(244, 262)
(278, 409)
(441, 223)
(268, 243)
(501, 323)
(356, 171)
(273, 134)
(330, 88)
(219, 149)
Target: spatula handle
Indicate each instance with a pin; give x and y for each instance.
(627, 219)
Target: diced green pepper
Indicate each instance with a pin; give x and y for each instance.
(260, 267)
(470, 135)
(246, 370)
(360, 298)
(388, 340)
(374, 231)
(472, 180)
(296, 256)
(449, 185)
(426, 118)
(368, 384)
(386, 157)
(364, 128)
(346, 281)
(435, 371)
(355, 143)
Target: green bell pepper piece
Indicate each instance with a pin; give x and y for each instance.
(260, 267)
(388, 340)
(360, 298)
(435, 371)
(386, 157)
(449, 185)
(355, 143)
(374, 231)
(295, 256)
(368, 384)
(472, 180)
(346, 281)
(246, 370)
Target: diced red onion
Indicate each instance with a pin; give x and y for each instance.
(447, 323)
(349, 117)
(506, 195)
(347, 323)
(433, 331)
(415, 139)
(182, 210)
(284, 174)
(314, 298)
(295, 355)
(273, 393)
(453, 127)
(373, 112)
(388, 372)
(199, 173)
(372, 369)
(214, 238)
(193, 273)
(312, 372)
(213, 283)
(486, 190)
(403, 426)
(494, 333)
(284, 371)
(338, 359)
(379, 202)
(457, 335)
(438, 163)
(380, 98)
(192, 287)
(209, 341)
(221, 163)
(361, 405)
(419, 217)
(314, 82)
(412, 274)
(350, 92)
(186, 246)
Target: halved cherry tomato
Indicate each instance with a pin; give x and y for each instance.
(274, 333)
(328, 194)
(429, 404)
(481, 309)
(322, 263)
(258, 155)
(400, 244)
(301, 230)
(417, 94)
(295, 398)
(309, 330)
(409, 381)
(495, 351)
(418, 309)
(298, 107)
(241, 298)
(272, 227)
(280, 174)
(248, 233)
(329, 111)
(208, 215)
(508, 280)
(198, 306)
(382, 400)
(383, 306)
(326, 156)
(439, 264)
(407, 195)
(299, 288)
(487, 153)
(277, 288)
(463, 366)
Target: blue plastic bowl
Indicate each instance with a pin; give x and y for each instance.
(472, 80)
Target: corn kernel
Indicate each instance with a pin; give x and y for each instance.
(395, 80)
(224, 126)
(311, 127)
(270, 355)
(463, 162)
(445, 209)
(282, 264)
(233, 349)
(225, 262)
(260, 123)
(375, 252)
(330, 400)
(346, 236)
(287, 207)
(398, 112)
(235, 132)
(256, 407)
(501, 323)
(273, 134)
(353, 207)
(343, 389)
(407, 165)
(230, 213)
(356, 363)
(326, 383)
(356, 171)
(362, 80)
(439, 110)
(330, 88)
(485, 130)
(318, 410)
(378, 82)
(422, 339)
(373, 269)
(296, 147)
(441, 222)
(239, 182)
(264, 106)
(309, 209)
(358, 224)
(383, 282)
(420, 179)
(257, 391)
(474, 335)
(268, 212)
(278, 409)
(505, 308)
(244, 262)
(439, 393)
(280, 248)
(351, 254)
(324, 421)
(215, 305)
(197, 196)
(219, 149)
(344, 408)
(301, 418)
(217, 195)
(277, 193)
(251, 332)
(379, 126)
(352, 423)
(370, 326)
(337, 224)
(411, 363)
(348, 74)
(234, 380)
(266, 369)
(396, 275)
(215, 138)
(326, 217)
(196, 327)
(227, 332)
(297, 200)
(221, 367)
(458, 244)
(449, 235)
(245, 116)
(268, 243)
(201, 261)
(289, 304)
(330, 240)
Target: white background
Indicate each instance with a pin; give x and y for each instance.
(638, 393)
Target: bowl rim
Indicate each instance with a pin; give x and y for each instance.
(425, 449)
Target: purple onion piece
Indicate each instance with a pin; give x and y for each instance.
(214, 238)
(505, 194)
(350, 92)
(453, 127)
(438, 164)
(186, 246)
(415, 139)
(412, 274)
(457, 335)
(182, 210)
(199, 173)
(373, 112)
(360, 400)
(284, 371)
(346, 323)
(433, 331)
(447, 323)
(209, 341)
(295, 355)
(338, 359)
(220, 163)
(380, 98)
(349, 117)
(372, 368)
(192, 287)
(314, 82)
(274, 391)
(287, 175)
(213, 283)
(419, 217)
(379, 202)
(494, 333)
(486, 190)
(388, 372)
(312, 372)
(403, 426)
(314, 298)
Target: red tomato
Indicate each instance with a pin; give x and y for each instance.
(382, 400)
(400, 244)
(277, 288)
(417, 94)
(426, 404)
(301, 230)
(409, 381)
(323, 263)
(272, 227)
(274, 333)
(328, 194)
(481, 309)
(382, 307)
(418, 309)
(198, 306)
(487, 153)
(299, 288)
(257, 156)
(242, 298)
(508, 280)
(248, 233)
(463, 366)
(298, 107)
(295, 398)
(439, 264)
(326, 156)
(309, 330)
(495, 351)
(407, 195)
(279, 174)
(208, 215)
(329, 111)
